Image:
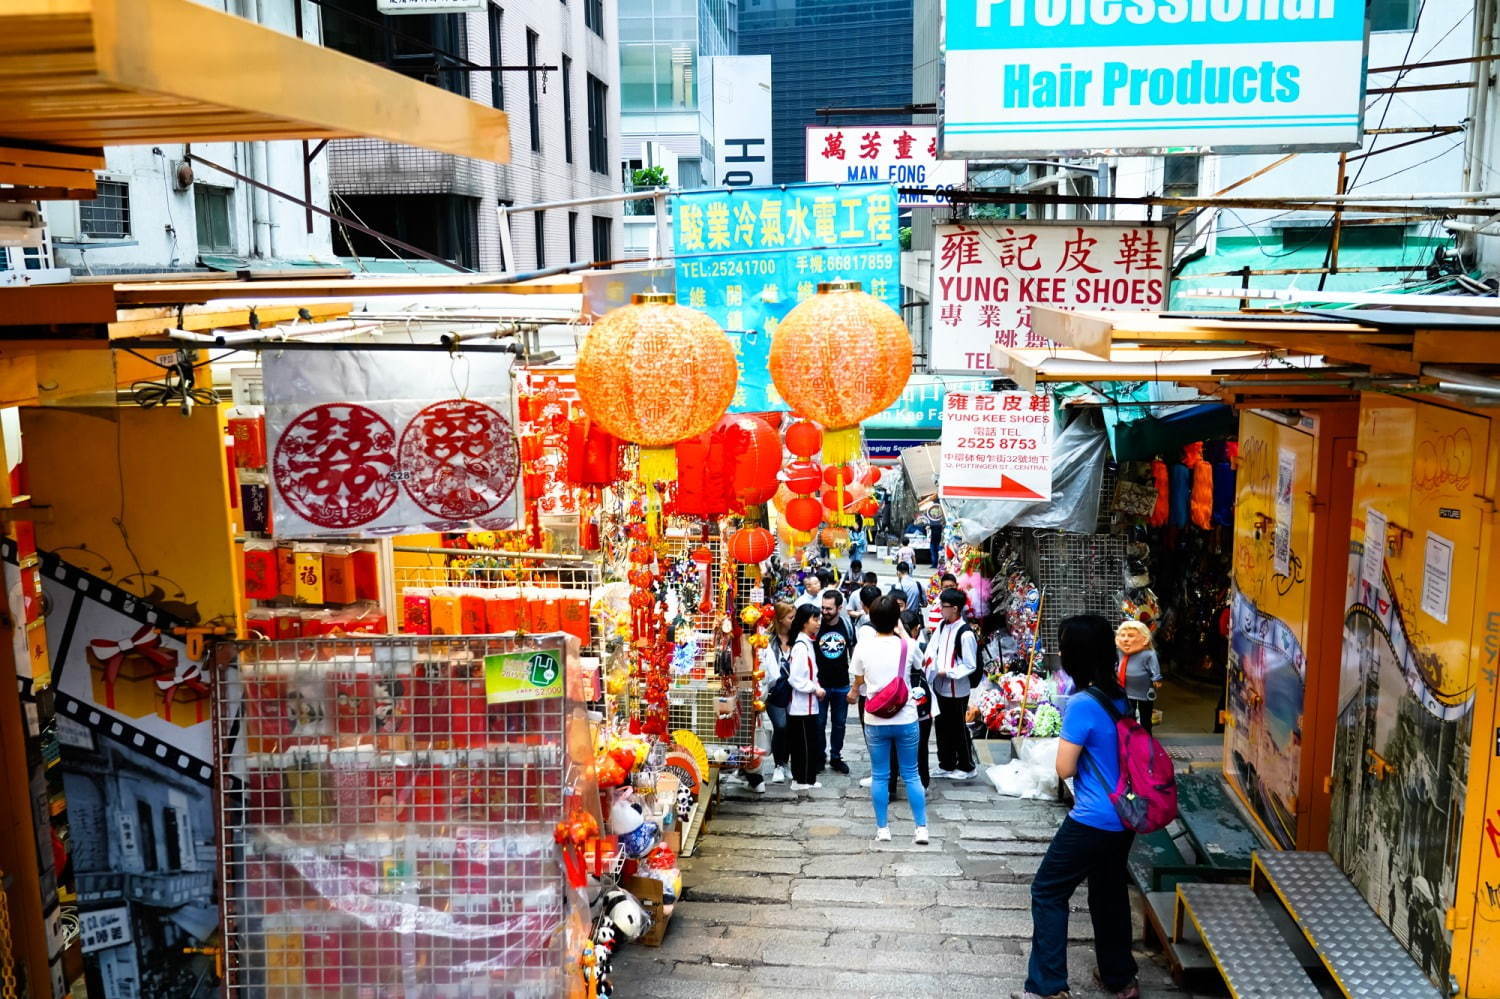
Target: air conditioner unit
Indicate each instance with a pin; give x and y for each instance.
(21, 223)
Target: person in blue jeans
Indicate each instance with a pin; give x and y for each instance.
(1092, 845)
(834, 644)
(877, 662)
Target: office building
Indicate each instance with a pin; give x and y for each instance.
(828, 53)
(563, 139)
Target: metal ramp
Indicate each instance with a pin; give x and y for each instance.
(1243, 941)
(1364, 958)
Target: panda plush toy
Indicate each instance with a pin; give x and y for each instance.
(627, 915)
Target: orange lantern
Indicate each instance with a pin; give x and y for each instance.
(803, 477)
(751, 545)
(871, 476)
(837, 331)
(804, 439)
(834, 537)
(654, 373)
(869, 507)
(782, 498)
(804, 513)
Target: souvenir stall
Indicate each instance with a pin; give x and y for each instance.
(1174, 503)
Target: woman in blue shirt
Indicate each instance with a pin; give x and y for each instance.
(1092, 845)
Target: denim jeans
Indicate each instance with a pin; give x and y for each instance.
(1078, 853)
(904, 738)
(780, 746)
(836, 704)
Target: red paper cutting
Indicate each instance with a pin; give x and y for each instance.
(333, 465)
(460, 459)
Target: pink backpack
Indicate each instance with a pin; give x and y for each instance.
(1145, 796)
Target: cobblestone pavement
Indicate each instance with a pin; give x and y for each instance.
(791, 897)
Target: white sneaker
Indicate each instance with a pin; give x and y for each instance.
(805, 787)
(959, 774)
(759, 788)
(867, 782)
(941, 773)
(918, 836)
(734, 780)
(883, 834)
(778, 775)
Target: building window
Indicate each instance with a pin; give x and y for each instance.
(211, 209)
(567, 84)
(572, 237)
(603, 225)
(429, 46)
(598, 125)
(1179, 179)
(593, 16)
(1393, 15)
(539, 220)
(146, 820)
(497, 47)
(444, 225)
(107, 216)
(531, 91)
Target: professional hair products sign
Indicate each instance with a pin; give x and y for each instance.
(1115, 76)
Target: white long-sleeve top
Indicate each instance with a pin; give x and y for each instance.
(948, 668)
(804, 677)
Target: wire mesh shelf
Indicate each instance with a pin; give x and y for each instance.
(388, 818)
(1078, 574)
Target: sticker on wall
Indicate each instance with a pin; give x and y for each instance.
(1281, 539)
(385, 443)
(1373, 559)
(1437, 576)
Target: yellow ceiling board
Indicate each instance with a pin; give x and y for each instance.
(86, 73)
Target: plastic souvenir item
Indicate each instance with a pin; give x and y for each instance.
(639, 841)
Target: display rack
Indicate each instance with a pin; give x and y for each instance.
(1080, 574)
(487, 591)
(388, 818)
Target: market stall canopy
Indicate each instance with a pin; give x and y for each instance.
(1027, 366)
(77, 75)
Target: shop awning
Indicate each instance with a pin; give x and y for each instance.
(1028, 366)
(77, 75)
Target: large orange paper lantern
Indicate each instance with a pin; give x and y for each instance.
(804, 439)
(654, 373)
(751, 545)
(804, 513)
(869, 507)
(839, 358)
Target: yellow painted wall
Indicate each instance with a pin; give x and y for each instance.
(1267, 663)
(139, 498)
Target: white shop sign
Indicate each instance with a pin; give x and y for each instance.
(986, 277)
(1106, 77)
(904, 155)
(996, 445)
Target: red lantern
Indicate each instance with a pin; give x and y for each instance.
(804, 513)
(869, 508)
(804, 439)
(871, 476)
(751, 545)
(754, 452)
(831, 500)
(838, 475)
(803, 477)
